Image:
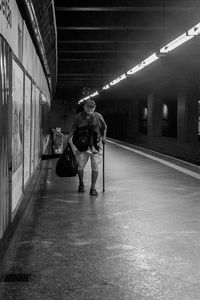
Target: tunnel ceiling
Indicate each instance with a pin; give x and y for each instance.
(99, 40)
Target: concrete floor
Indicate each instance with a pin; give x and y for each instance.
(140, 240)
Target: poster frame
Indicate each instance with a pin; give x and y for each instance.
(26, 180)
(16, 173)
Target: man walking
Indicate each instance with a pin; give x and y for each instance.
(95, 121)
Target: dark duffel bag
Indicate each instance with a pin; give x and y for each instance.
(67, 165)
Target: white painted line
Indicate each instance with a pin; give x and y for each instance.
(178, 168)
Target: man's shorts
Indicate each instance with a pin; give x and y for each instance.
(83, 157)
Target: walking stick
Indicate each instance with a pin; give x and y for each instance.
(103, 167)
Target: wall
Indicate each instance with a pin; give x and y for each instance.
(62, 114)
(23, 87)
(173, 81)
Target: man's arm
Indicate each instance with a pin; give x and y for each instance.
(69, 136)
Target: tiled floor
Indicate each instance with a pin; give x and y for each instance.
(140, 240)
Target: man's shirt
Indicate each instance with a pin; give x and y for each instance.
(96, 120)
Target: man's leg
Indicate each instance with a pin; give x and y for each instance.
(95, 161)
(80, 177)
(82, 161)
(94, 179)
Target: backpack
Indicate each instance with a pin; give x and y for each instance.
(67, 165)
(85, 137)
(82, 138)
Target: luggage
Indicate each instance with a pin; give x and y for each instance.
(82, 138)
(67, 165)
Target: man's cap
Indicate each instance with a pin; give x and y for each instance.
(89, 103)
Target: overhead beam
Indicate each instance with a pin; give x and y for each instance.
(94, 59)
(85, 74)
(104, 42)
(99, 51)
(82, 82)
(74, 86)
(130, 8)
(78, 81)
(138, 28)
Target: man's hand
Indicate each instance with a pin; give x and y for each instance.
(68, 139)
(103, 140)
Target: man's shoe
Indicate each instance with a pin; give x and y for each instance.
(93, 192)
(81, 189)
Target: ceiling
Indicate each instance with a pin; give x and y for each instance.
(98, 40)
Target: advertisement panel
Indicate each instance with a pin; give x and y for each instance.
(27, 129)
(37, 127)
(9, 21)
(4, 136)
(33, 112)
(17, 134)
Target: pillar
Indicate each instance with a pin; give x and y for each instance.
(154, 115)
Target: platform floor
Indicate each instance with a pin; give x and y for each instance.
(140, 240)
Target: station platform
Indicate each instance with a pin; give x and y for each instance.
(139, 240)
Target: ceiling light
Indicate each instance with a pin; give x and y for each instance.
(117, 80)
(83, 99)
(175, 43)
(88, 97)
(105, 87)
(194, 30)
(143, 64)
(94, 94)
(135, 69)
(150, 59)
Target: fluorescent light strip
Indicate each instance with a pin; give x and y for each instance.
(143, 64)
(194, 30)
(135, 69)
(117, 80)
(83, 99)
(94, 94)
(175, 43)
(88, 97)
(105, 87)
(150, 59)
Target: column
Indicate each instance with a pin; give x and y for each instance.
(154, 115)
